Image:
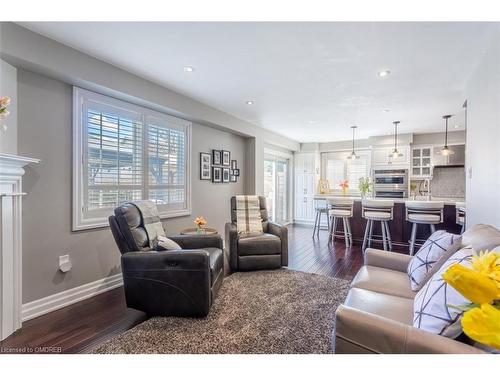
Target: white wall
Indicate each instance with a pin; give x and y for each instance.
(47, 207)
(483, 140)
(8, 87)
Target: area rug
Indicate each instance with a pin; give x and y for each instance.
(279, 311)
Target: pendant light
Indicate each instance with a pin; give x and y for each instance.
(353, 155)
(395, 153)
(445, 151)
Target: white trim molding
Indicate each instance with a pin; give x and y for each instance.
(57, 301)
(11, 173)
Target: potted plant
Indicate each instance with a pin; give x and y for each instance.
(365, 187)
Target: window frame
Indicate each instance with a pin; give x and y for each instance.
(341, 155)
(81, 98)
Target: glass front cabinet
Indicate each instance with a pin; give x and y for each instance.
(421, 162)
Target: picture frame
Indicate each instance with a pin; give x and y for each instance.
(205, 166)
(233, 178)
(216, 174)
(226, 158)
(236, 172)
(216, 157)
(226, 173)
(234, 164)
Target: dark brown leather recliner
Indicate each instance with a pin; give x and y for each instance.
(255, 252)
(170, 282)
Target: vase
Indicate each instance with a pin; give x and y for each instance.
(200, 230)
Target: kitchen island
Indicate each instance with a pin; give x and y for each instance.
(399, 227)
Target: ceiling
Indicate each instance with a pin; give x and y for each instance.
(308, 81)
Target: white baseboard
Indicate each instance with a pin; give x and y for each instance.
(57, 301)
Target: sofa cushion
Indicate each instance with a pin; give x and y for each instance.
(262, 244)
(383, 280)
(481, 237)
(385, 305)
(431, 256)
(432, 305)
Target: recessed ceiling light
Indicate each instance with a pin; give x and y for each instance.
(385, 110)
(311, 122)
(188, 69)
(249, 102)
(384, 73)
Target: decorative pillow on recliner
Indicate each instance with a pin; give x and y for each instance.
(165, 243)
(435, 251)
(432, 307)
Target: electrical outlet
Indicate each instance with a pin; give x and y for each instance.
(64, 263)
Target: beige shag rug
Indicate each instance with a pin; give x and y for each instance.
(280, 311)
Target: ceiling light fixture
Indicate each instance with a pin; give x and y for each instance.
(353, 155)
(249, 102)
(395, 153)
(384, 73)
(445, 151)
(188, 69)
(385, 110)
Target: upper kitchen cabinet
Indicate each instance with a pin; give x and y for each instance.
(456, 157)
(381, 156)
(421, 162)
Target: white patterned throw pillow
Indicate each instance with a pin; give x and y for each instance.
(432, 307)
(434, 252)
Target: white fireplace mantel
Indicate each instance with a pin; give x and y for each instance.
(11, 173)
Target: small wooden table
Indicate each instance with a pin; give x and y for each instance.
(195, 231)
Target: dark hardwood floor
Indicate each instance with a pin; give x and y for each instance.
(86, 324)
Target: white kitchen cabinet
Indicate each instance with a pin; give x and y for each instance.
(305, 166)
(381, 158)
(421, 162)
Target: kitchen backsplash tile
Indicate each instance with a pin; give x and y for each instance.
(448, 182)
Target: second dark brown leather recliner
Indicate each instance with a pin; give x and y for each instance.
(268, 250)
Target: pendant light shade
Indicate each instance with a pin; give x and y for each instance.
(445, 151)
(395, 153)
(353, 155)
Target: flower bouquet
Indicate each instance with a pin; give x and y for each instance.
(480, 285)
(200, 222)
(4, 102)
(344, 185)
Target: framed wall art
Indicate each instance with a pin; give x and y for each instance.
(216, 174)
(205, 166)
(226, 173)
(216, 157)
(226, 158)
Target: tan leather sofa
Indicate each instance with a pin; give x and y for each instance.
(377, 315)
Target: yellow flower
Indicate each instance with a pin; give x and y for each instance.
(483, 325)
(488, 264)
(474, 286)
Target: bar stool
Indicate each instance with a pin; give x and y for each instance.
(461, 214)
(423, 212)
(317, 221)
(340, 208)
(377, 210)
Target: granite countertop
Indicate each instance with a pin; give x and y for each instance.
(452, 201)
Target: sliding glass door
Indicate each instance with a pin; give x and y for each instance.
(276, 187)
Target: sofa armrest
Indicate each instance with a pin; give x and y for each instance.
(282, 232)
(232, 245)
(160, 260)
(387, 259)
(198, 241)
(357, 331)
